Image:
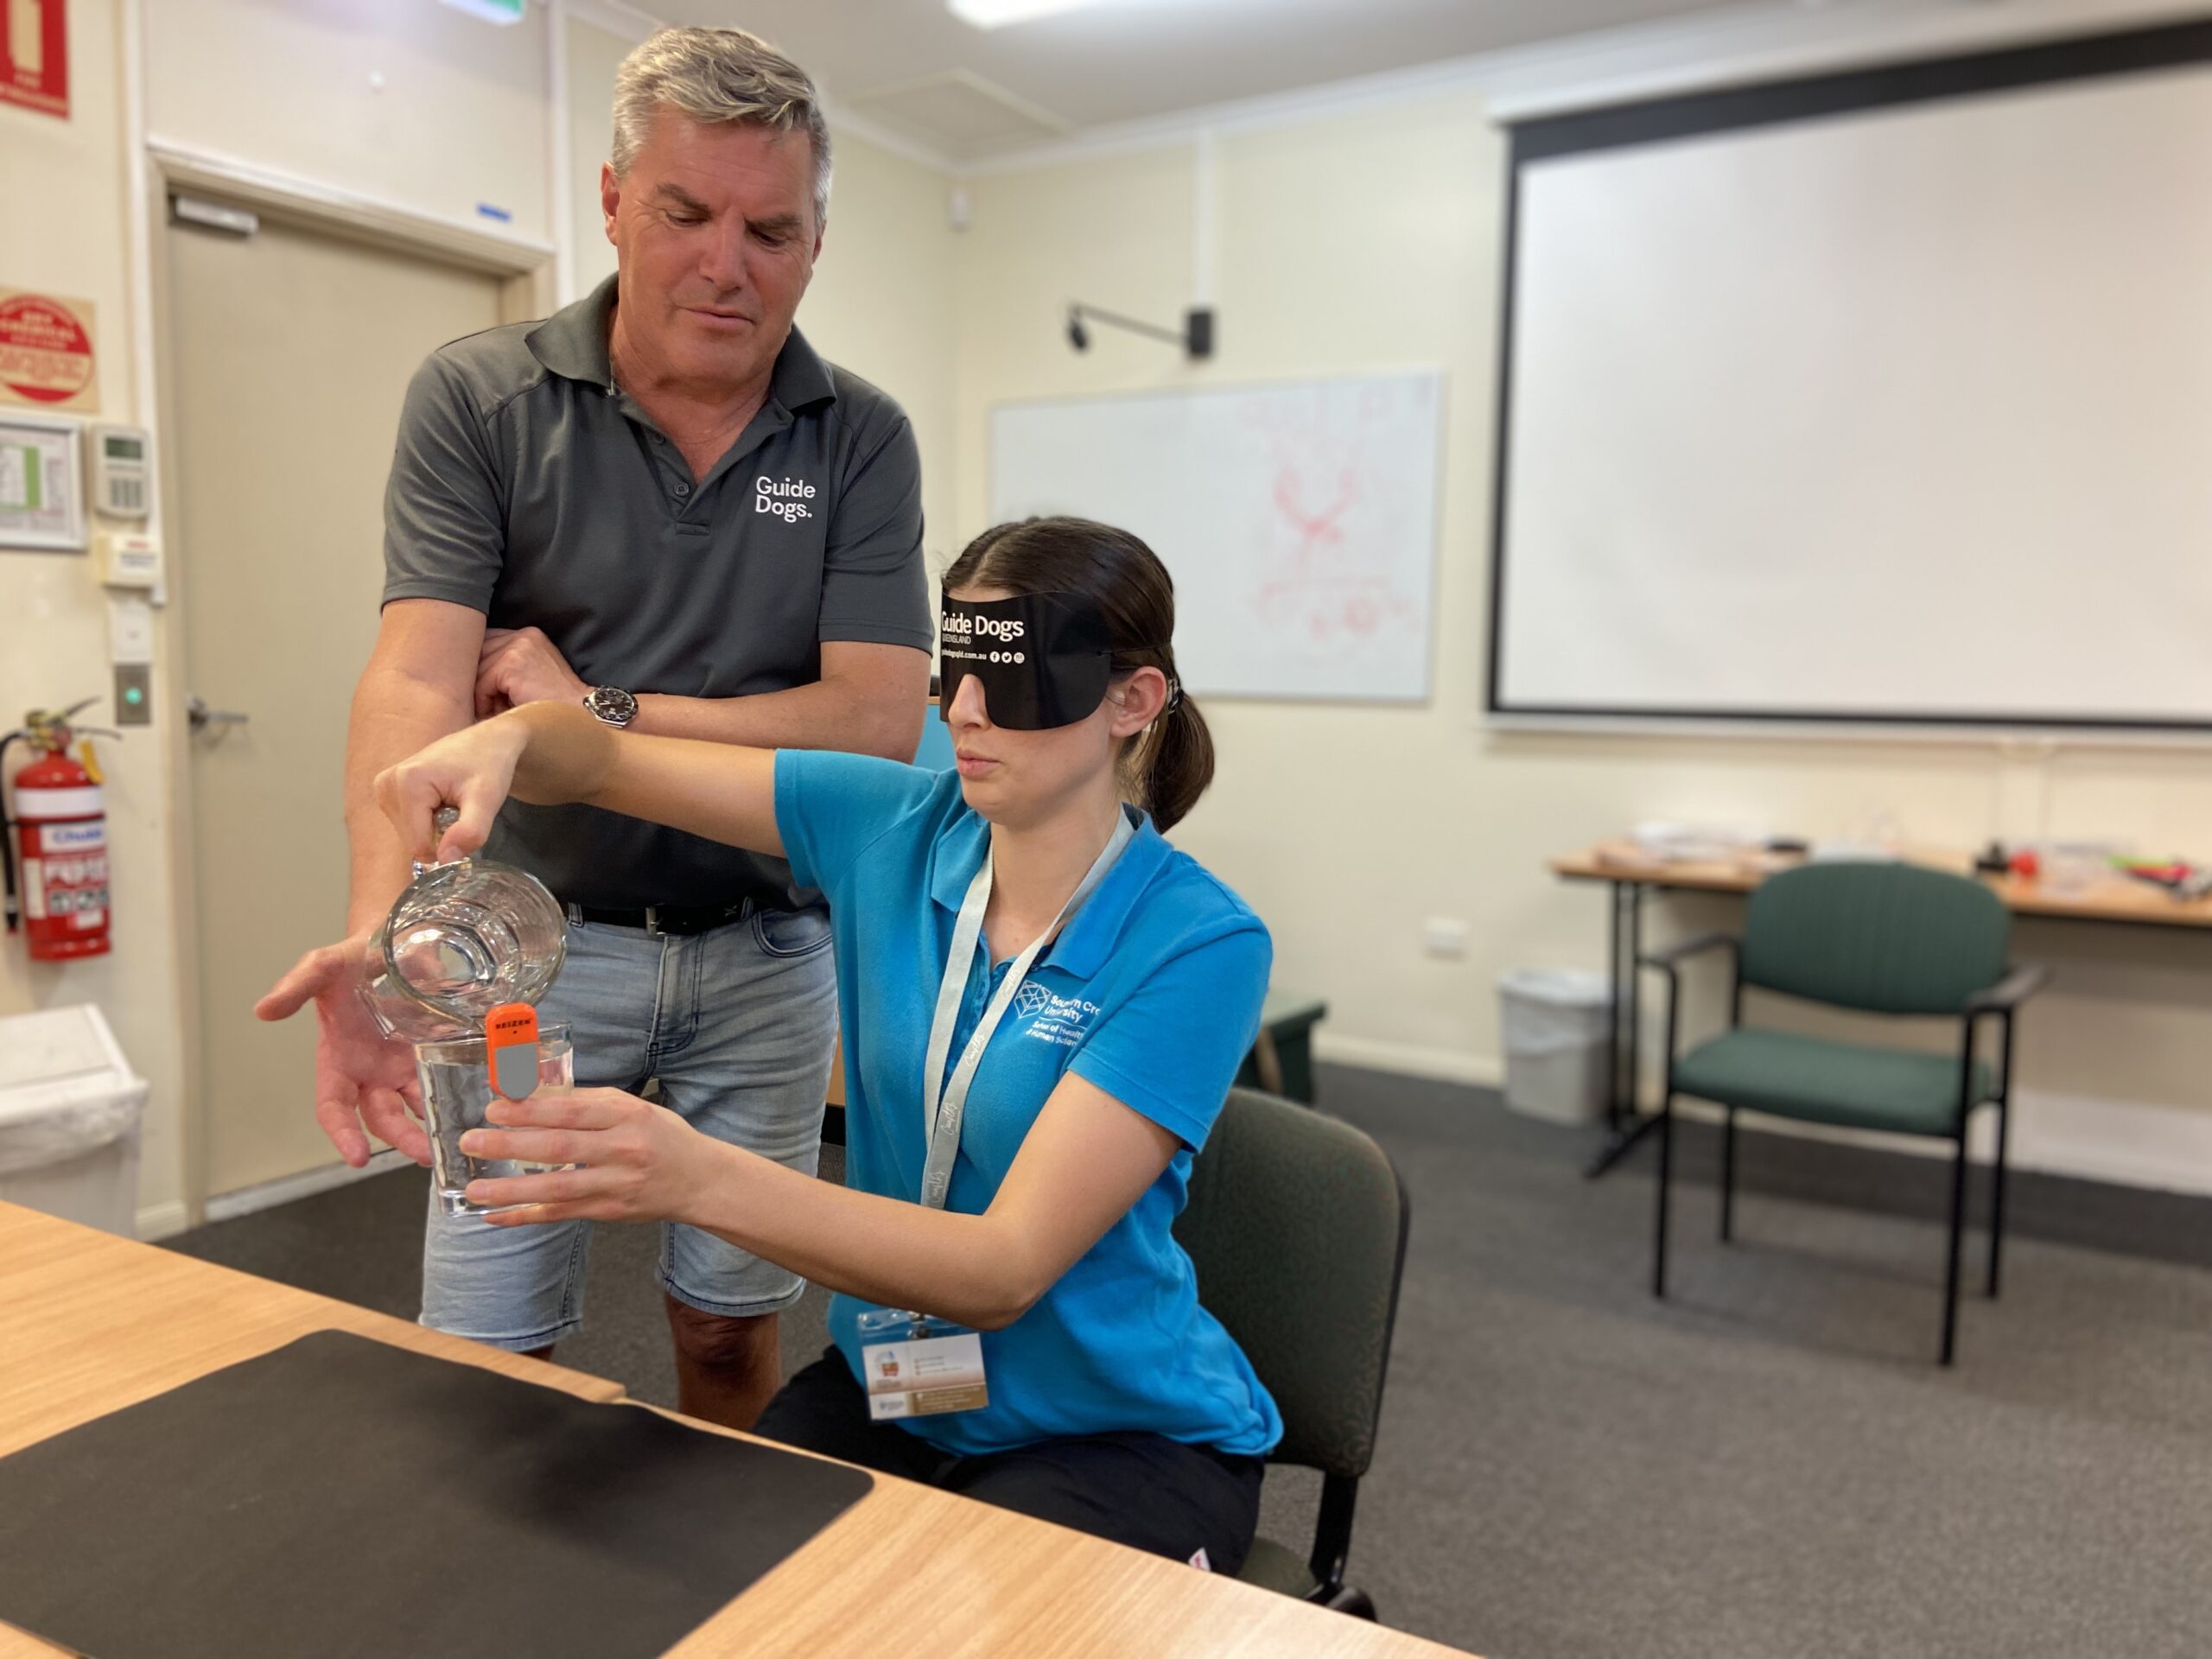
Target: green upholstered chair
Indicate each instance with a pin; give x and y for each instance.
(1880, 939)
(1296, 1222)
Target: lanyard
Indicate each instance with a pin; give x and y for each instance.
(952, 1098)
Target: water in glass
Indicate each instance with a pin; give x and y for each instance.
(457, 1088)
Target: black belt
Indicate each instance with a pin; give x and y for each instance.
(678, 921)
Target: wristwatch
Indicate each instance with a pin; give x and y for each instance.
(612, 705)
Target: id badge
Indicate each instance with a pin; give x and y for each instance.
(918, 1366)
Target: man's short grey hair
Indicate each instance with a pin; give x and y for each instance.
(718, 75)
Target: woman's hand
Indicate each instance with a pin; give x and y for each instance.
(473, 770)
(639, 1162)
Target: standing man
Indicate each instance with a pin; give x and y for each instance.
(661, 504)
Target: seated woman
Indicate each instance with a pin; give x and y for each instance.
(1043, 1006)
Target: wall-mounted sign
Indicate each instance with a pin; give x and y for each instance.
(41, 483)
(34, 56)
(48, 346)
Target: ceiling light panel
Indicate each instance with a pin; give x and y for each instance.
(997, 14)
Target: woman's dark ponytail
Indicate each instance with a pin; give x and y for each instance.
(1174, 762)
(1168, 765)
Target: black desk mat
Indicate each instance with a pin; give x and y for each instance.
(342, 1498)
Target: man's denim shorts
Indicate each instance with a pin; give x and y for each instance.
(738, 1025)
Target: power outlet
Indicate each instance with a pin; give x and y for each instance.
(1445, 937)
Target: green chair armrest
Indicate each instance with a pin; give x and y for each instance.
(1667, 956)
(2026, 979)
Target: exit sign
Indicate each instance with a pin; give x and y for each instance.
(492, 11)
(34, 56)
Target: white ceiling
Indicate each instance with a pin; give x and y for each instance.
(912, 67)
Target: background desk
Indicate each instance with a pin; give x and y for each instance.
(95, 1323)
(1629, 873)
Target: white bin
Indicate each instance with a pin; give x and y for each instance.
(70, 1108)
(1554, 1023)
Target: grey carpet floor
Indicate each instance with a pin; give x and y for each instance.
(1768, 1465)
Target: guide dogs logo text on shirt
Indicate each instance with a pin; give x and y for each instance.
(786, 497)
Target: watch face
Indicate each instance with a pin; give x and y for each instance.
(615, 707)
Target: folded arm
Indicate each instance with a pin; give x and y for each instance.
(869, 701)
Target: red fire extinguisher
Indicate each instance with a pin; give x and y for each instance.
(60, 836)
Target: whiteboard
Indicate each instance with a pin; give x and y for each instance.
(1299, 521)
(1900, 414)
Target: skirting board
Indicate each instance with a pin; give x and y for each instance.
(1443, 1064)
(155, 1221)
(2129, 1142)
(2166, 1148)
(229, 1206)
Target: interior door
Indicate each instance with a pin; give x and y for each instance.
(291, 350)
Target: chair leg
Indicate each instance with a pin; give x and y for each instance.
(1352, 1600)
(1958, 1226)
(1728, 1175)
(1997, 1197)
(1666, 1172)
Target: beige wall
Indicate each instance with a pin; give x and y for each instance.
(881, 304)
(405, 101)
(1372, 240)
(594, 56)
(68, 177)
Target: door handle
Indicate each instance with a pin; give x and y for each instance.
(201, 716)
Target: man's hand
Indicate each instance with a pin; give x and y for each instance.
(635, 1161)
(362, 1077)
(519, 665)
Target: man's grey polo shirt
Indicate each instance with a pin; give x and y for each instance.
(528, 486)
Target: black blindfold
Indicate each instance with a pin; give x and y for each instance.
(1043, 659)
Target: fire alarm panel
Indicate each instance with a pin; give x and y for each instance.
(122, 471)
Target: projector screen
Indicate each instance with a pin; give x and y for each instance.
(1885, 397)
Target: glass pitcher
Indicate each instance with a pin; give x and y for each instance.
(465, 938)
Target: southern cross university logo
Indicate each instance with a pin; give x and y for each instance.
(1061, 1020)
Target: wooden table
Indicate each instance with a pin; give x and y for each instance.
(2109, 899)
(89, 1324)
(1630, 874)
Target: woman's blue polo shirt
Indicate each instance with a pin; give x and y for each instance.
(1152, 992)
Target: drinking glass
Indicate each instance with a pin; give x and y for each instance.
(457, 1089)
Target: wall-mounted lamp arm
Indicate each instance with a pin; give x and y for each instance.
(1195, 337)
